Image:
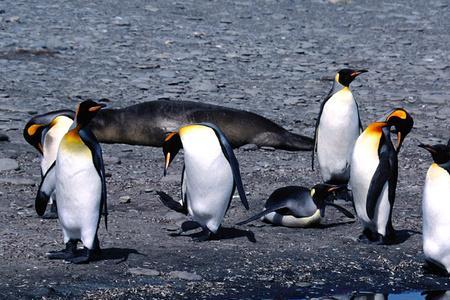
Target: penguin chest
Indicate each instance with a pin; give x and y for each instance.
(365, 161)
(337, 132)
(436, 215)
(208, 184)
(78, 187)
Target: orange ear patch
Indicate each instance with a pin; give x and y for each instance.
(94, 108)
(398, 113)
(33, 128)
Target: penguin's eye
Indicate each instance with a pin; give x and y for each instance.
(313, 191)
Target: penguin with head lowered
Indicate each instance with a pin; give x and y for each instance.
(44, 132)
(436, 209)
(296, 206)
(210, 174)
(373, 175)
(337, 128)
(78, 179)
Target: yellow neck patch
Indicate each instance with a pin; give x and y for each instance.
(193, 128)
(435, 172)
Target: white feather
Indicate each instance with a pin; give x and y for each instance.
(436, 216)
(208, 180)
(337, 132)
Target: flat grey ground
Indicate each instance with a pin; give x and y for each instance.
(275, 58)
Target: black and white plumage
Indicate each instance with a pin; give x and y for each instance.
(210, 174)
(78, 179)
(337, 128)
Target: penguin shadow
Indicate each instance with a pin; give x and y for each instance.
(402, 236)
(120, 254)
(430, 268)
(168, 201)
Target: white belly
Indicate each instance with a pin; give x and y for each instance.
(291, 221)
(337, 132)
(436, 216)
(78, 190)
(364, 163)
(52, 140)
(208, 186)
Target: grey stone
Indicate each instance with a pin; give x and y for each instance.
(249, 147)
(7, 164)
(112, 160)
(125, 199)
(4, 137)
(185, 275)
(143, 272)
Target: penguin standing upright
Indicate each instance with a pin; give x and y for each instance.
(436, 209)
(45, 132)
(210, 174)
(297, 206)
(373, 175)
(337, 128)
(78, 179)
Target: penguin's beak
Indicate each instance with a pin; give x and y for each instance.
(166, 163)
(356, 73)
(428, 147)
(335, 187)
(97, 107)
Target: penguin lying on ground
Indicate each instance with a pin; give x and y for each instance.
(296, 206)
(436, 209)
(373, 175)
(44, 132)
(210, 174)
(78, 179)
(337, 128)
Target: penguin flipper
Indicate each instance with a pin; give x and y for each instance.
(361, 128)
(229, 154)
(271, 208)
(316, 129)
(91, 142)
(386, 172)
(46, 189)
(342, 210)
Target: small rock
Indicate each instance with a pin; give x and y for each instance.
(303, 284)
(171, 227)
(17, 181)
(125, 199)
(151, 8)
(7, 164)
(249, 147)
(185, 275)
(268, 148)
(119, 21)
(4, 137)
(143, 271)
(112, 160)
(174, 216)
(13, 19)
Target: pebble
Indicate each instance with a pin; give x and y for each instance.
(185, 275)
(143, 271)
(125, 199)
(174, 216)
(249, 147)
(4, 137)
(7, 164)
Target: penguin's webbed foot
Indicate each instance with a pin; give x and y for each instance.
(202, 236)
(86, 256)
(67, 253)
(370, 237)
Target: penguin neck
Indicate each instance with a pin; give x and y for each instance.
(339, 87)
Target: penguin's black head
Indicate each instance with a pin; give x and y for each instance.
(402, 122)
(440, 152)
(171, 146)
(33, 133)
(320, 193)
(346, 76)
(86, 111)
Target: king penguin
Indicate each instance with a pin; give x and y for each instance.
(297, 206)
(337, 128)
(78, 179)
(373, 175)
(210, 174)
(436, 209)
(44, 132)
